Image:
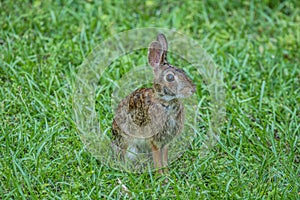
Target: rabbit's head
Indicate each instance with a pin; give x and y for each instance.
(169, 81)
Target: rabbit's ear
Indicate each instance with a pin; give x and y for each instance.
(155, 54)
(161, 38)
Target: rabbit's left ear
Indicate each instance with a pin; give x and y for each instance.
(161, 38)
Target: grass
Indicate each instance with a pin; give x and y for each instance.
(255, 44)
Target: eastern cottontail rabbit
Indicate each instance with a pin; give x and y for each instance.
(153, 116)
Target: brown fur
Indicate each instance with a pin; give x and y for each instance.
(154, 114)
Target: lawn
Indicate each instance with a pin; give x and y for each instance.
(256, 44)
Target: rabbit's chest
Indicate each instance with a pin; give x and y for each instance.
(172, 125)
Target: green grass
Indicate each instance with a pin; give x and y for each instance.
(256, 45)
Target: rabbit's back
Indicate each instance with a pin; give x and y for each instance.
(142, 115)
(139, 103)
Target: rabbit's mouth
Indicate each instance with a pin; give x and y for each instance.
(168, 92)
(186, 92)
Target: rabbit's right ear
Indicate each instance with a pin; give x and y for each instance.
(155, 54)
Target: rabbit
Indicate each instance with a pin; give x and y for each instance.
(153, 116)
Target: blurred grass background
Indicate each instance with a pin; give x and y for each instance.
(255, 43)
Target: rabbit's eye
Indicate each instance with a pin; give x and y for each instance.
(170, 77)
